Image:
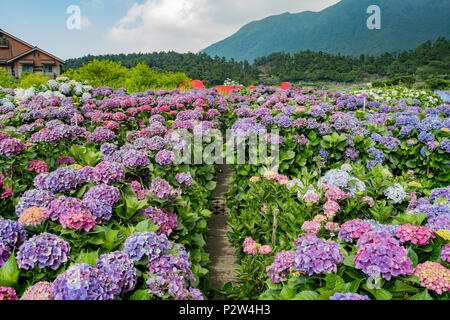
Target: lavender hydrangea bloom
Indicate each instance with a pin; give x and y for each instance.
(315, 255)
(12, 233)
(380, 254)
(101, 135)
(34, 198)
(120, 269)
(61, 205)
(108, 172)
(11, 146)
(134, 158)
(61, 180)
(279, 270)
(146, 244)
(103, 192)
(44, 250)
(107, 149)
(185, 179)
(101, 210)
(82, 282)
(348, 296)
(165, 157)
(5, 252)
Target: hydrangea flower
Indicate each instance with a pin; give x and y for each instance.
(415, 234)
(279, 270)
(311, 227)
(40, 291)
(165, 157)
(395, 193)
(348, 296)
(433, 276)
(11, 146)
(185, 179)
(379, 254)
(34, 198)
(108, 172)
(82, 282)
(7, 294)
(164, 219)
(103, 192)
(61, 205)
(148, 244)
(33, 216)
(445, 253)
(316, 256)
(37, 166)
(77, 219)
(353, 229)
(250, 246)
(120, 269)
(43, 250)
(12, 233)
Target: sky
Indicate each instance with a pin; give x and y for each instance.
(126, 26)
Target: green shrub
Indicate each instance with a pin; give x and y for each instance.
(28, 80)
(6, 81)
(438, 84)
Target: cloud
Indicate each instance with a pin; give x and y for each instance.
(85, 22)
(192, 25)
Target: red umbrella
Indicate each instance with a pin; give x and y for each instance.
(198, 84)
(286, 85)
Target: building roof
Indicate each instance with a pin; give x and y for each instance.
(33, 48)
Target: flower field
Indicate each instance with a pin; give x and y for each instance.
(95, 205)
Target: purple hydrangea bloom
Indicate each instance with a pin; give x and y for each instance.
(103, 192)
(108, 172)
(380, 254)
(280, 269)
(40, 291)
(61, 180)
(107, 149)
(5, 252)
(101, 210)
(12, 146)
(165, 157)
(445, 253)
(61, 205)
(164, 219)
(34, 198)
(12, 233)
(161, 189)
(348, 296)
(134, 158)
(147, 244)
(315, 255)
(83, 282)
(43, 250)
(353, 229)
(185, 179)
(120, 269)
(101, 135)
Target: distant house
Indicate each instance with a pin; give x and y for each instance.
(17, 57)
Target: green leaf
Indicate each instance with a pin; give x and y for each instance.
(379, 294)
(349, 261)
(287, 293)
(306, 295)
(9, 273)
(198, 240)
(400, 286)
(140, 295)
(211, 185)
(413, 256)
(424, 295)
(334, 282)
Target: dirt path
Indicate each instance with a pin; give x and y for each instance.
(222, 254)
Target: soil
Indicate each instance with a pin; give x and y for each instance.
(223, 258)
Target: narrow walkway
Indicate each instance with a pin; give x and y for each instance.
(222, 254)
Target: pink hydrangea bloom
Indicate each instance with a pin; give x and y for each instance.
(433, 276)
(369, 200)
(415, 234)
(265, 250)
(250, 246)
(311, 227)
(77, 219)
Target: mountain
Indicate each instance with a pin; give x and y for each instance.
(341, 28)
